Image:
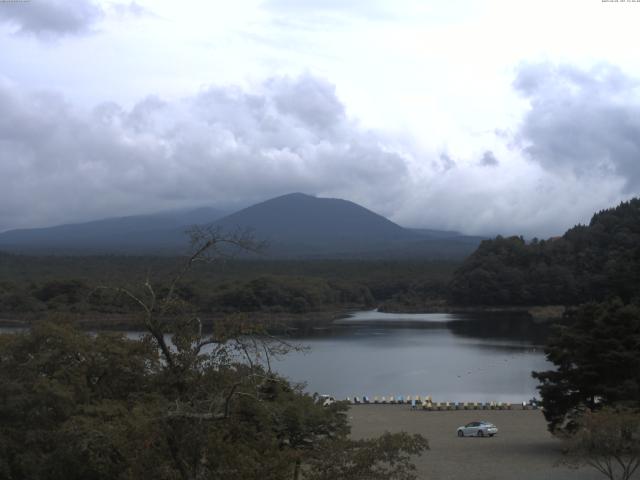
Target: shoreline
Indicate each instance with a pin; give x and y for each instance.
(538, 313)
(522, 449)
(276, 320)
(132, 322)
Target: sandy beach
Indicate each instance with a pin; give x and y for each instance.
(523, 448)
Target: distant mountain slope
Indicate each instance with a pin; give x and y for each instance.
(300, 217)
(588, 263)
(299, 225)
(155, 233)
(294, 225)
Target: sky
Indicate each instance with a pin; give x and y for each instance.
(486, 117)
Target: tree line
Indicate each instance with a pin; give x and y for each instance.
(41, 285)
(174, 404)
(588, 263)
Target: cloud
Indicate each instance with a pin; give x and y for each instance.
(133, 9)
(488, 159)
(321, 16)
(446, 162)
(223, 145)
(583, 121)
(228, 146)
(54, 18)
(369, 8)
(516, 197)
(309, 100)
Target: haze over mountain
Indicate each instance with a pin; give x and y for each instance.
(294, 226)
(155, 233)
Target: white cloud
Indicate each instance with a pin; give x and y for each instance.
(224, 145)
(230, 146)
(583, 120)
(47, 19)
(418, 119)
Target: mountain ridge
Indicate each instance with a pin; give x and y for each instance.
(294, 225)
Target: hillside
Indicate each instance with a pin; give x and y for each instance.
(303, 226)
(294, 226)
(589, 262)
(298, 225)
(300, 217)
(155, 233)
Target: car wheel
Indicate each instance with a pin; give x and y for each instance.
(460, 433)
(480, 433)
(491, 434)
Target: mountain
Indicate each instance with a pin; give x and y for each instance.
(300, 217)
(299, 225)
(154, 233)
(294, 226)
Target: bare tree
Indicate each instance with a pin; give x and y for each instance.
(178, 331)
(607, 440)
(220, 400)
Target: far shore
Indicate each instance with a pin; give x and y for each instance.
(539, 313)
(133, 322)
(274, 320)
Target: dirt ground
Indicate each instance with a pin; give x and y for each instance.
(522, 450)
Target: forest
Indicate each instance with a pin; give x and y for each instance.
(36, 285)
(177, 403)
(77, 405)
(588, 263)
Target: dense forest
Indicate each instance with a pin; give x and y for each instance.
(588, 263)
(36, 285)
(175, 403)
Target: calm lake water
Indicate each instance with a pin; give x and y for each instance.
(450, 357)
(473, 358)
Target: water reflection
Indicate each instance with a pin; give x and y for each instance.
(451, 357)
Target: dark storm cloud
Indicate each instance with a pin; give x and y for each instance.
(223, 145)
(488, 159)
(583, 121)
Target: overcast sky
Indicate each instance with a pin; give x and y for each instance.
(495, 116)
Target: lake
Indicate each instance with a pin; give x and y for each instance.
(450, 357)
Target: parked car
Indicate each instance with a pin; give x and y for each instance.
(326, 400)
(477, 429)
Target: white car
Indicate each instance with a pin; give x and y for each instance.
(477, 429)
(326, 400)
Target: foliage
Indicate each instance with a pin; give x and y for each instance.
(67, 398)
(178, 403)
(294, 294)
(385, 458)
(607, 440)
(35, 285)
(420, 295)
(588, 263)
(597, 360)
